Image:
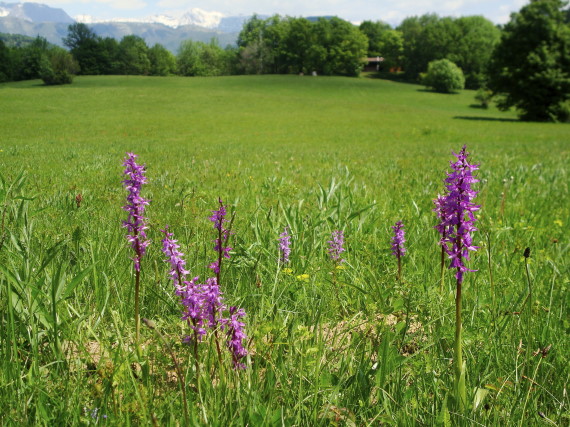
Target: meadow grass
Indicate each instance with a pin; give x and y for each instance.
(353, 347)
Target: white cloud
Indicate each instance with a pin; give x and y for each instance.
(114, 4)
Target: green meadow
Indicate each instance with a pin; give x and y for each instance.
(327, 346)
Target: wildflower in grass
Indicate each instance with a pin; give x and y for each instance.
(439, 203)
(190, 292)
(336, 246)
(135, 223)
(457, 212)
(398, 249)
(285, 246)
(456, 227)
(235, 336)
(219, 219)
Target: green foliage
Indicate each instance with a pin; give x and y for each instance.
(466, 41)
(375, 31)
(392, 49)
(4, 62)
(85, 47)
(484, 97)
(162, 61)
(530, 68)
(297, 45)
(201, 59)
(16, 40)
(444, 76)
(133, 56)
(58, 67)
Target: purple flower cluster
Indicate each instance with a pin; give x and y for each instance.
(285, 246)
(439, 203)
(135, 223)
(190, 292)
(398, 240)
(235, 336)
(336, 246)
(203, 302)
(455, 210)
(219, 219)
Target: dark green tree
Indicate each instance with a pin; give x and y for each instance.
(162, 61)
(345, 46)
(110, 62)
(201, 59)
(375, 32)
(391, 47)
(85, 47)
(5, 73)
(530, 67)
(416, 54)
(133, 56)
(30, 59)
(472, 51)
(58, 67)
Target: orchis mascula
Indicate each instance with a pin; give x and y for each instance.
(285, 246)
(219, 219)
(190, 292)
(336, 246)
(398, 249)
(135, 223)
(457, 219)
(203, 303)
(455, 210)
(439, 203)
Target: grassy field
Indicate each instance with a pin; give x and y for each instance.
(351, 346)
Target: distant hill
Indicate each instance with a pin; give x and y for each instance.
(16, 40)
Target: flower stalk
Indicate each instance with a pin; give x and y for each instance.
(135, 223)
(457, 223)
(398, 249)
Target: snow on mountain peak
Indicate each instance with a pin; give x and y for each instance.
(193, 16)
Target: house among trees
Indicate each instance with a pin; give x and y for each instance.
(373, 64)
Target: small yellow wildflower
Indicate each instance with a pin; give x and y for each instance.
(558, 222)
(303, 277)
(288, 271)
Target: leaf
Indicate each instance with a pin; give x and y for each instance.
(73, 283)
(443, 418)
(480, 395)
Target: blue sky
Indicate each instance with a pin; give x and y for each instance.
(391, 11)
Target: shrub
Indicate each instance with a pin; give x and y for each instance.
(57, 67)
(484, 97)
(444, 76)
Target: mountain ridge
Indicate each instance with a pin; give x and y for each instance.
(37, 19)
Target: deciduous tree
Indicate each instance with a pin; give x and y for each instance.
(530, 67)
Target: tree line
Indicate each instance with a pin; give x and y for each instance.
(276, 45)
(529, 54)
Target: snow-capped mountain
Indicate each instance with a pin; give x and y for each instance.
(194, 16)
(34, 12)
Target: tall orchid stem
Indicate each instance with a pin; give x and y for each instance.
(137, 293)
(442, 273)
(529, 321)
(137, 309)
(399, 269)
(459, 368)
